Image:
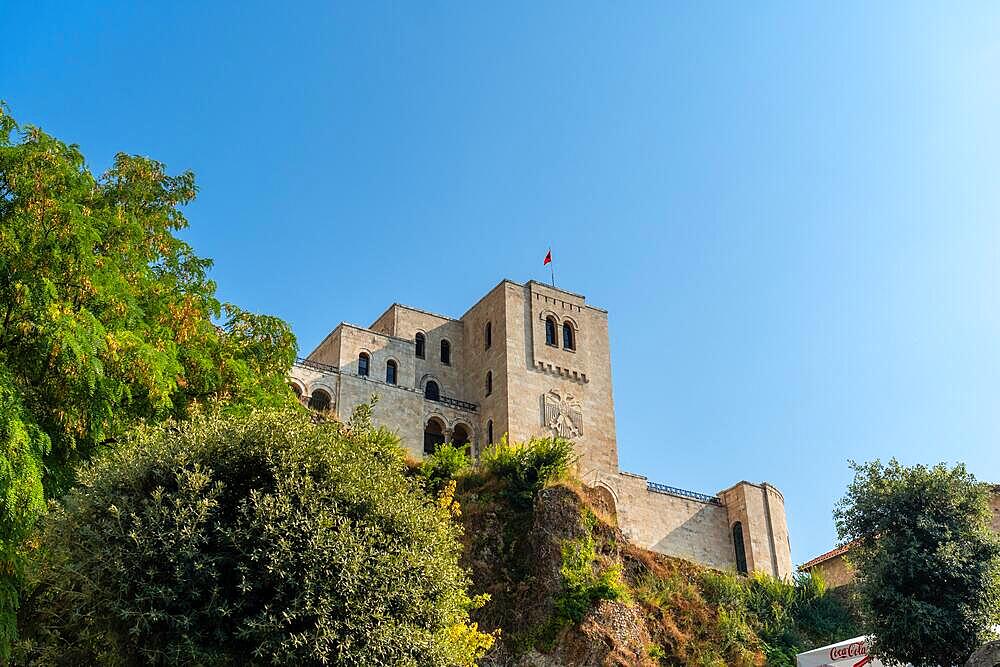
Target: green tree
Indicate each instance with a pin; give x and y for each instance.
(106, 321)
(927, 562)
(250, 539)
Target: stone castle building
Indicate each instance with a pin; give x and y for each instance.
(530, 360)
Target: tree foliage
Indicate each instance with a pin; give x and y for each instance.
(927, 562)
(249, 539)
(106, 320)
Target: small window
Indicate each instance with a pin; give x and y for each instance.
(432, 392)
(550, 331)
(568, 342)
(390, 372)
(740, 547)
(445, 353)
(489, 382)
(421, 341)
(488, 335)
(319, 401)
(363, 362)
(489, 432)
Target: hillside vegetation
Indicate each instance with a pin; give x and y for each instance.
(566, 587)
(274, 537)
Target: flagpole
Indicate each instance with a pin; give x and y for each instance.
(552, 268)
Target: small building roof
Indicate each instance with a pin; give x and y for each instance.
(829, 555)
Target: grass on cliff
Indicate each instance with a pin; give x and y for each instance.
(546, 567)
(697, 615)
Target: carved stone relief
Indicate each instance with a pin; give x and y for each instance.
(562, 413)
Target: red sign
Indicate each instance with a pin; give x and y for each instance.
(855, 650)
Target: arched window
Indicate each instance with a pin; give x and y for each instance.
(421, 341)
(433, 435)
(460, 435)
(489, 382)
(390, 372)
(363, 362)
(488, 335)
(297, 389)
(568, 342)
(741, 550)
(319, 401)
(445, 352)
(489, 432)
(550, 331)
(431, 391)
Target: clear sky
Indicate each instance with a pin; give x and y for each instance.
(790, 211)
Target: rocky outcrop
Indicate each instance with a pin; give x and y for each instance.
(987, 655)
(519, 557)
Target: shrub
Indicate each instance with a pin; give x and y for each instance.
(444, 465)
(250, 539)
(527, 467)
(782, 617)
(585, 581)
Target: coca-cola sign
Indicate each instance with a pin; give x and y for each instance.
(853, 650)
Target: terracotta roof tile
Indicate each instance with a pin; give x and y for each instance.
(833, 553)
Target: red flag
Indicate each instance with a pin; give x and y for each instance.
(548, 258)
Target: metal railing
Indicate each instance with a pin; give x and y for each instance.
(674, 491)
(316, 366)
(446, 400)
(455, 403)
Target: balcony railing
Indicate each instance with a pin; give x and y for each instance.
(455, 403)
(316, 366)
(674, 491)
(446, 400)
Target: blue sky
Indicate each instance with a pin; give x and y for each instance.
(790, 210)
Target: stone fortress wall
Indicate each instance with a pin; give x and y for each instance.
(507, 374)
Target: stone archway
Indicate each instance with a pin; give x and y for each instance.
(461, 434)
(433, 435)
(320, 400)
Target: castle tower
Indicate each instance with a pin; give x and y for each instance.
(550, 364)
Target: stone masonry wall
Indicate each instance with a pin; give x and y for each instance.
(761, 511)
(478, 360)
(674, 525)
(581, 376)
(450, 377)
(835, 571)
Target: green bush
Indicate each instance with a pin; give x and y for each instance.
(444, 465)
(785, 617)
(250, 539)
(527, 467)
(585, 581)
